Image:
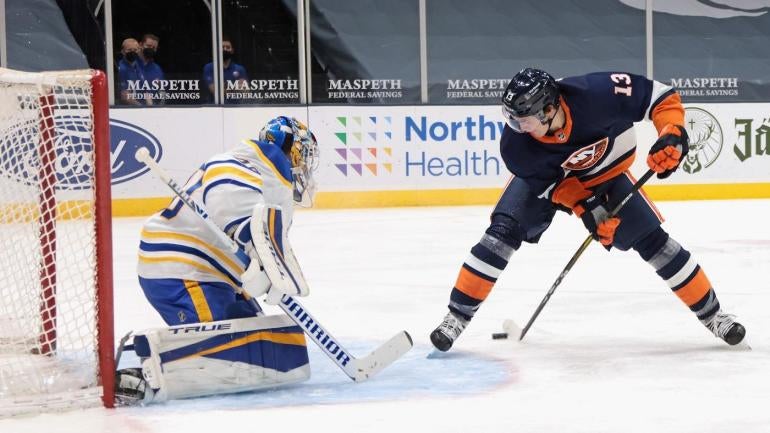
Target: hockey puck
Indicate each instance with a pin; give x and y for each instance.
(500, 336)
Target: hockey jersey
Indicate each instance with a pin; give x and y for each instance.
(597, 142)
(175, 243)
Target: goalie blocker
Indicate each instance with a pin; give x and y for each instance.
(222, 357)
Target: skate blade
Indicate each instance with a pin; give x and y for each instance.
(435, 353)
(449, 354)
(742, 346)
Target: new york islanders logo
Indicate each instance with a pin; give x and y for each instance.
(586, 157)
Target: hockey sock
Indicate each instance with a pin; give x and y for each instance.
(684, 276)
(478, 275)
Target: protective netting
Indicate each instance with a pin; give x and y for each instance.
(48, 270)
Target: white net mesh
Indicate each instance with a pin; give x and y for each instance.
(48, 297)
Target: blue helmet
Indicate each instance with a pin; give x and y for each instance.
(278, 131)
(301, 147)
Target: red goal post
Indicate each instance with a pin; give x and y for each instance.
(56, 312)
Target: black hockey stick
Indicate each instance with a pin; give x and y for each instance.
(579, 252)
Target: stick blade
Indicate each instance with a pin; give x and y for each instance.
(512, 329)
(382, 356)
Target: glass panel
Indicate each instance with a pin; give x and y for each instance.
(713, 52)
(39, 38)
(474, 48)
(87, 27)
(179, 33)
(261, 37)
(365, 51)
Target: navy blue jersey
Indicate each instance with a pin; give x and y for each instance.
(599, 107)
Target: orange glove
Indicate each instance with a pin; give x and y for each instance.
(594, 213)
(606, 231)
(569, 192)
(669, 151)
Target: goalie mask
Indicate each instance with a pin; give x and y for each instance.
(301, 147)
(528, 94)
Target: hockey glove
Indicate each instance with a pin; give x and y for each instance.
(594, 213)
(255, 280)
(669, 151)
(568, 193)
(271, 247)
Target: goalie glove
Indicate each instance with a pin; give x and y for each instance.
(669, 151)
(270, 241)
(255, 281)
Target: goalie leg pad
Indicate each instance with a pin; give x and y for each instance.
(222, 357)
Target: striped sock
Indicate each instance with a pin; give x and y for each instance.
(686, 279)
(478, 275)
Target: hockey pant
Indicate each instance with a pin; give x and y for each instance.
(186, 301)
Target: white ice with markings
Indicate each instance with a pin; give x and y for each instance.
(613, 351)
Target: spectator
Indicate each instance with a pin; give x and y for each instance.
(235, 76)
(152, 71)
(130, 70)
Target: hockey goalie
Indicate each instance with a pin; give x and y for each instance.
(219, 339)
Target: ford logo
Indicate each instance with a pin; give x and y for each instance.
(20, 157)
(74, 158)
(20, 152)
(125, 139)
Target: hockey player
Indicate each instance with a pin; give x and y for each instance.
(220, 341)
(569, 145)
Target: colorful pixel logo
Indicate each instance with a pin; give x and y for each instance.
(367, 142)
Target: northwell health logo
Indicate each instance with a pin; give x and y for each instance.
(367, 145)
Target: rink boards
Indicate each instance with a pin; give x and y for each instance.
(421, 155)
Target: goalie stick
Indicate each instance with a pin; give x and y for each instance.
(574, 259)
(358, 369)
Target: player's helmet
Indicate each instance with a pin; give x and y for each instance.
(528, 93)
(300, 145)
(279, 132)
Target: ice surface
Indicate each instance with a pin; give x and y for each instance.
(613, 351)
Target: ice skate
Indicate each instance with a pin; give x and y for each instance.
(724, 326)
(131, 387)
(445, 335)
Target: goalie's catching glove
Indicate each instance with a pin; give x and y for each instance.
(669, 151)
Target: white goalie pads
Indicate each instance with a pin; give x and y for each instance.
(270, 238)
(227, 356)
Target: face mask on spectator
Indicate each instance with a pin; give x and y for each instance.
(148, 52)
(227, 55)
(130, 56)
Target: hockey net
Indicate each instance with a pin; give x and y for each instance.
(56, 336)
